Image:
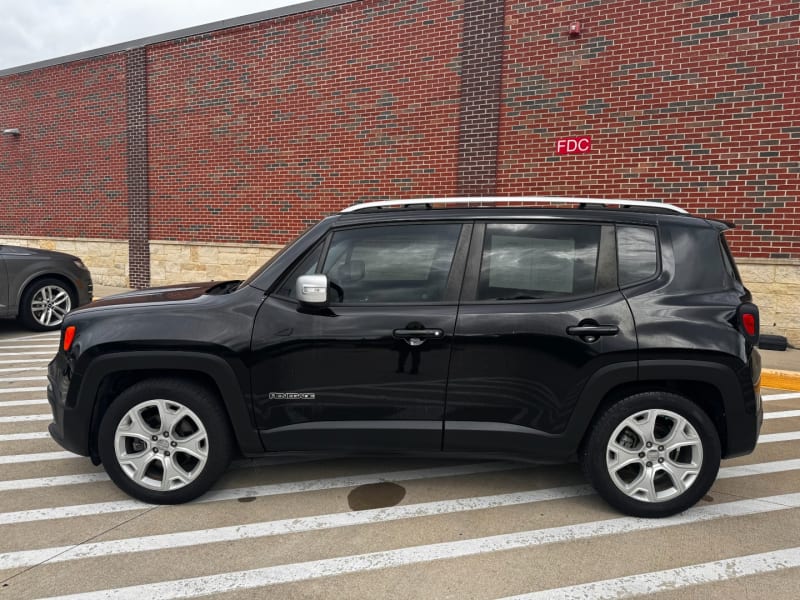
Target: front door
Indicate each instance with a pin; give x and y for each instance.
(370, 370)
(541, 312)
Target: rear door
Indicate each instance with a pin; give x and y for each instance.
(541, 312)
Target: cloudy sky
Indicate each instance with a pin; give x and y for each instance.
(34, 30)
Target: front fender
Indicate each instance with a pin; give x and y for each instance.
(215, 367)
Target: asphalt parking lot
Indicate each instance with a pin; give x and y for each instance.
(296, 527)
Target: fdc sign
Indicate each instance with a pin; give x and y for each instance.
(576, 145)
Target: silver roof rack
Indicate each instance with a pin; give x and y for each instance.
(516, 200)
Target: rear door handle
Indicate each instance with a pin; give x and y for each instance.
(418, 333)
(593, 330)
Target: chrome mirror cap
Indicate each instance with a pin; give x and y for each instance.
(312, 289)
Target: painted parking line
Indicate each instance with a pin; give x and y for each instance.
(782, 414)
(13, 459)
(787, 436)
(26, 378)
(373, 561)
(55, 481)
(49, 347)
(23, 389)
(645, 584)
(789, 396)
(765, 468)
(19, 437)
(26, 418)
(7, 403)
(18, 369)
(31, 353)
(274, 489)
(36, 337)
(319, 522)
(27, 361)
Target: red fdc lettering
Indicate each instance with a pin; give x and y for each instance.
(576, 145)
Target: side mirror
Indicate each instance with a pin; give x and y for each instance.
(312, 289)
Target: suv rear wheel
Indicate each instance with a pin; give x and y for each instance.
(165, 441)
(653, 454)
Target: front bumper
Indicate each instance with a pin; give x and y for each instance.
(70, 426)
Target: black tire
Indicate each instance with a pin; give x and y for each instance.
(203, 405)
(595, 454)
(33, 317)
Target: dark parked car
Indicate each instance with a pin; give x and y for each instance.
(618, 335)
(41, 286)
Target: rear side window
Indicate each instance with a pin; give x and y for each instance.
(533, 261)
(636, 253)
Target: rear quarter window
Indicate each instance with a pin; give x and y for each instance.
(637, 254)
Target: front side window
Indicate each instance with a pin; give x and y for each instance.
(538, 261)
(398, 263)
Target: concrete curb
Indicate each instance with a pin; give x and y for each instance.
(782, 380)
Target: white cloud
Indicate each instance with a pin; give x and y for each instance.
(34, 30)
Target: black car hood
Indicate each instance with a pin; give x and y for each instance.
(171, 293)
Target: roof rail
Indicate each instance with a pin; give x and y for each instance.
(517, 200)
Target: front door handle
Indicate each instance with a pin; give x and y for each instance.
(593, 330)
(417, 337)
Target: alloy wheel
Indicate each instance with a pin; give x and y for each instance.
(654, 455)
(161, 445)
(50, 304)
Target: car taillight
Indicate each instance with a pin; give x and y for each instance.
(748, 322)
(69, 336)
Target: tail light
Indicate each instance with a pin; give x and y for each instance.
(748, 322)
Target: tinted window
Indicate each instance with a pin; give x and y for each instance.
(727, 259)
(402, 263)
(636, 251)
(531, 261)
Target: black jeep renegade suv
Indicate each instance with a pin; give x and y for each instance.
(617, 333)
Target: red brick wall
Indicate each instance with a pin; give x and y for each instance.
(258, 131)
(64, 176)
(693, 102)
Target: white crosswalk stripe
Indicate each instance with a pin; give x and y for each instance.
(645, 584)
(214, 584)
(25, 418)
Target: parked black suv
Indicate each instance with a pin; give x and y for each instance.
(617, 333)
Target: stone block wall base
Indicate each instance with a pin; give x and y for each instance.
(179, 262)
(775, 285)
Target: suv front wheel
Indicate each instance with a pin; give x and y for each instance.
(653, 454)
(165, 441)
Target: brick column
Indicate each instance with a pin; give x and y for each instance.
(481, 63)
(137, 169)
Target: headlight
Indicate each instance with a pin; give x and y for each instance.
(79, 263)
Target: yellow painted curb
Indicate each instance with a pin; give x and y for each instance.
(782, 380)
